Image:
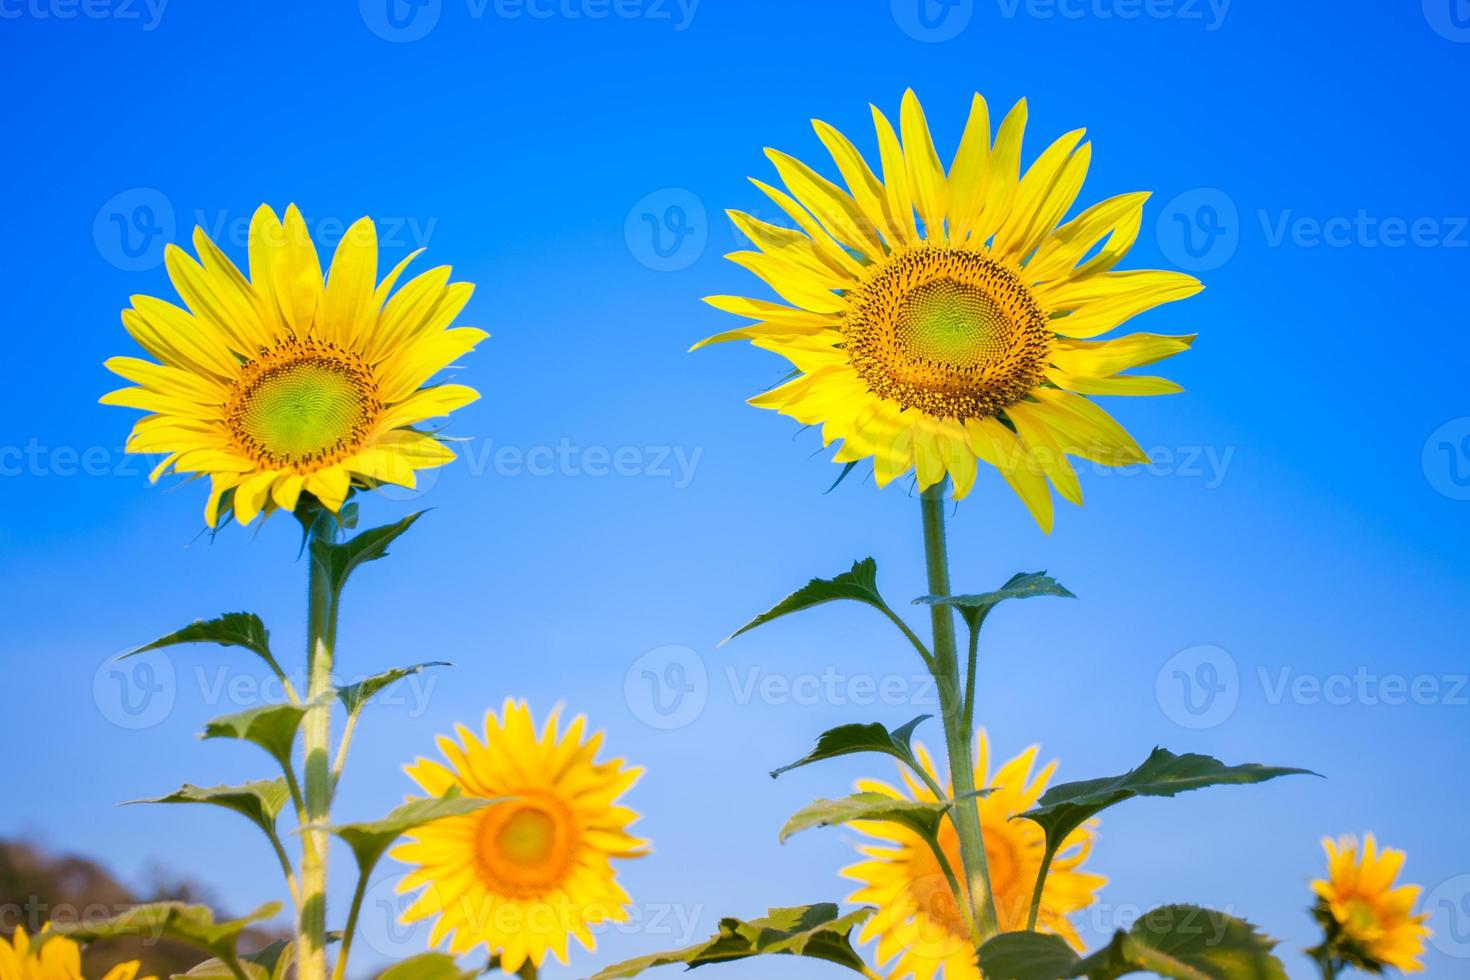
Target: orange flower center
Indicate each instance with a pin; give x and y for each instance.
(526, 846)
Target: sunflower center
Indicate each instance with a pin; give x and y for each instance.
(302, 404)
(526, 846)
(948, 331)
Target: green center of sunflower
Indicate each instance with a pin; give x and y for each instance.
(303, 405)
(948, 331)
(527, 846)
(527, 837)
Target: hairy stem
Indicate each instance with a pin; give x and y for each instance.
(958, 732)
(321, 632)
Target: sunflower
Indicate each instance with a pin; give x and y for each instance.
(918, 921)
(524, 875)
(1369, 921)
(283, 383)
(57, 958)
(939, 318)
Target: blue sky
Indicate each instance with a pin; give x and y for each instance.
(1285, 584)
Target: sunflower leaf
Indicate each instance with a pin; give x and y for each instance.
(815, 931)
(1066, 806)
(1023, 585)
(259, 802)
(192, 924)
(271, 726)
(341, 559)
(427, 966)
(355, 696)
(850, 739)
(238, 629)
(370, 839)
(269, 963)
(1180, 942)
(860, 583)
(921, 817)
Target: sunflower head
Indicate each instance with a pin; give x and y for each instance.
(938, 317)
(51, 958)
(522, 876)
(1368, 919)
(287, 383)
(918, 924)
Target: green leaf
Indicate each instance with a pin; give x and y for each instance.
(1065, 807)
(271, 726)
(354, 696)
(270, 963)
(920, 817)
(260, 802)
(851, 739)
(369, 840)
(192, 924)
(230, 630)
(860, 584)
(341, 559)
(427, 966)
(1024, 585)
(1180, 942)
(815, 931)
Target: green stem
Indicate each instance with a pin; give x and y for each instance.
(321, 631)
(288, 871)
(969, 702)
(957, 725)
(357, 895)
(1036, 892)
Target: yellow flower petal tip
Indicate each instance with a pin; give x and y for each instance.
(523, 876)
(291, 380)
(939, 317)
(55, 958)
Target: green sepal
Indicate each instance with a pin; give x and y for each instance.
(370, 839)
(1180, 942)
(1066, 806)
(341, 559)
(1023, 585)
(239, 629)
(271, 726)
(814, 931)
(851, 739)
(260, 802)
(354, 696)
(923, 818)
(192, 924)
(860, 584)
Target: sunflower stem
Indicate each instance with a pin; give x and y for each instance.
(340, 970)
(321, 635)
(1036, 893)
(958, 725)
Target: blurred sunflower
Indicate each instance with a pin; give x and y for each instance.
(285, 383)
(58, 958)
(525, 875)
(939, 318)
(1369, 921)
(918, 922)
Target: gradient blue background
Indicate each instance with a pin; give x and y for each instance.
(1321, 541)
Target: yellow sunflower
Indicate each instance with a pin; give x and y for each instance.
(1370, 921)
(58, 958)
(283, 382)
(918, 921)
(525, 875)
(936, 318)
